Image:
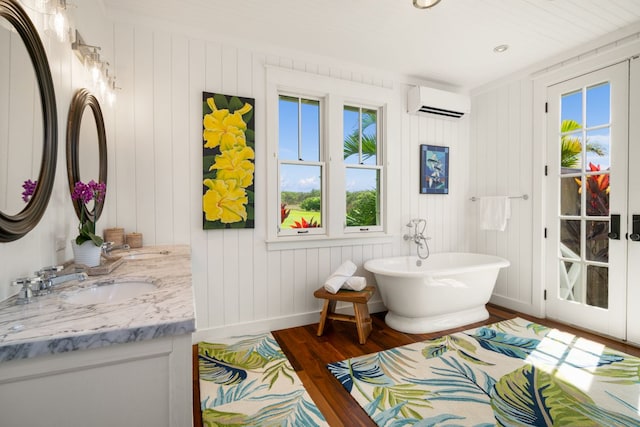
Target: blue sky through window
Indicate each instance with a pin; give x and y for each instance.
(304, 179)
(597, 107)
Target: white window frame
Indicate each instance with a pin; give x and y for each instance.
(321, 163)
(335, 94)
(379, 166)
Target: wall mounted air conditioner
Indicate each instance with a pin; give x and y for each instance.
(439, 103)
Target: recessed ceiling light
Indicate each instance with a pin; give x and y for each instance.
(501, 48)
(425, 4)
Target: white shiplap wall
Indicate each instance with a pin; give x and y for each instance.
(502, 153)
(157, 143)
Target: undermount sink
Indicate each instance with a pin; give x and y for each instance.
(110, 291)
(145, 255)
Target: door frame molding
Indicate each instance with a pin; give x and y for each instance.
(541, 82)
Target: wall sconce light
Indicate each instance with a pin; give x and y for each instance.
(58, 22)
(104, 83)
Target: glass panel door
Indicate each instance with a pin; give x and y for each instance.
(587, 131)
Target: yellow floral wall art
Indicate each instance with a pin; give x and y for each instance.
(228, 154)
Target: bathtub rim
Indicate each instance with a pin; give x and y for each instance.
(494, 261)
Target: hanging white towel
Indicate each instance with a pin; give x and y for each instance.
(494, 212)
(337, 279)
(355, 283)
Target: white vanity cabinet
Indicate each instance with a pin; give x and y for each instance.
(145, 383)
(122, 363)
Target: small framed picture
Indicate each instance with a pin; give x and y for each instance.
(434, 169)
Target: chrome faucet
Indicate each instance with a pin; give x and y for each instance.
(43, 281)
(107, 247)
(418, 228)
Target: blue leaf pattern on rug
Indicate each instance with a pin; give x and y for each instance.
(219, 372)
(514, 373)
(248, 381)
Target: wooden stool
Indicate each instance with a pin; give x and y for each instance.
(360, 308)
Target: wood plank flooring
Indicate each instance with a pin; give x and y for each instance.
(309, 355)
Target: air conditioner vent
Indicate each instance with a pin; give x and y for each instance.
(435, 102)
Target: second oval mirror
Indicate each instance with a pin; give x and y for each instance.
(86, 148)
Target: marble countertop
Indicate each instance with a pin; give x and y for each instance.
(50, 324)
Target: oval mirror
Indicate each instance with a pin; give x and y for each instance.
(86, 149)
(28, 123)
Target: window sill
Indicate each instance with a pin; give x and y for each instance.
(308, 242)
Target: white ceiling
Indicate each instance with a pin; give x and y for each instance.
(451, 43)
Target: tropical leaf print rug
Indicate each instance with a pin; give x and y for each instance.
(511, 373)
(248, 381)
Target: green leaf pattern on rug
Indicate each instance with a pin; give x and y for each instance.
(532, 397)
(513, 373)
(460, 344)
(250, 382)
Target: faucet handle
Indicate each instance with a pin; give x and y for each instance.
(25, 281)
(52, 269)
(26, 292)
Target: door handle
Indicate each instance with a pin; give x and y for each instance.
(614, 227)
(635, 227)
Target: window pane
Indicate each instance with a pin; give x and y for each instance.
(598, 101)
(351, 129)
(369, 137)
(570, 239)
(598, 286)
(570, 198)
(300, 196)
(360, 136)
(597, 149)
(597, 241)
(570, 281)
(288, 128)
(310, 130)
(363, 197)
(571, 107)
(570, 150)
(597, 197)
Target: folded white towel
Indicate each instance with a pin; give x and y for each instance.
(337, 279)
(355, 283)
(494, 212)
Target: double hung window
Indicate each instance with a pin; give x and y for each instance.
(326, 167)
(300, 166)
(363, 171)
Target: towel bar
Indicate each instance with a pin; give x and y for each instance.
(523, 197)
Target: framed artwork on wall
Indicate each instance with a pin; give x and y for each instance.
(228, 161)
(434, 169)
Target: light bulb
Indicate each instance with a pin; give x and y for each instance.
(60, 25)
(111, 97)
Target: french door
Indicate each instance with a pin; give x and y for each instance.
(587, 249)
(633, 224)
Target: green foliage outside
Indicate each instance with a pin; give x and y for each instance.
(571, 147)
(298, 214)
(311, 204)
(295, 198)
(362, 208)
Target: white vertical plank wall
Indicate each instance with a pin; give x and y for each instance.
(158, 141)
(501, 150)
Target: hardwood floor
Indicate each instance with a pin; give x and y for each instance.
(309, 355)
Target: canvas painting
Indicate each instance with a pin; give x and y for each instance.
(434, 169)
(228, 156)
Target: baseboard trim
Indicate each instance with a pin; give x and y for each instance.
(273, 324)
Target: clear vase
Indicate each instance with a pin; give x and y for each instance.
(86, 254)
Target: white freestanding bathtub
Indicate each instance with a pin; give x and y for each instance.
(445, 291)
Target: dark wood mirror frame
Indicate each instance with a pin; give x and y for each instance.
(13, 227)
(81, 100)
